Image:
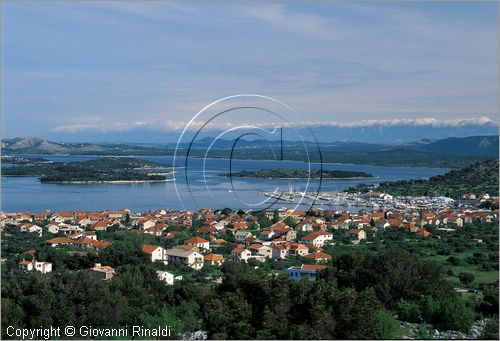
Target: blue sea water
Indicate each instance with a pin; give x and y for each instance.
(199, 185)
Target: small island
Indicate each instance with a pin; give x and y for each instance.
(293, 173)
(101, 170)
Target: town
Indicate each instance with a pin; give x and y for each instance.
(180, 240)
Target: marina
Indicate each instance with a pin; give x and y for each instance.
(372, 200)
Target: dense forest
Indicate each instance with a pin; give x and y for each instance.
(478, 178)
(294, 173)
(101, 169)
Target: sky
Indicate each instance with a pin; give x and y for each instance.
(115, 66)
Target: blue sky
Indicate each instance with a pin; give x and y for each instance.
(75, 67)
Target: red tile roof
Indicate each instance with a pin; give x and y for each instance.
(196, 240)
(313, 267)
(213, 258)
(318, 255)
(149, 248)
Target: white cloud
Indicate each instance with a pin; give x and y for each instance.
(312, 25)
(169, 125)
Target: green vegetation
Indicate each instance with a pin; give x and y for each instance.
(23, 161)
(294, 173)
(98, 170)
(478, 178)
(364, 287)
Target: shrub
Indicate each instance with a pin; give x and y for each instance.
(409, 311)
(454, 260)
(466, 278)
(387, 326)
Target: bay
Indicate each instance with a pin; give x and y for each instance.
(197, 185)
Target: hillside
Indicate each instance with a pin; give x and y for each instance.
(450, 153)
(471, 146)
(100, 170)
(478, 178)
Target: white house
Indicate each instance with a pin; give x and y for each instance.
(165, 276)
(190, 258)
(240, 254)
(35, 229)
(199, 243)
(155, 252)
(318, 238)
(52, 228)
(43, 267)
(241, 235)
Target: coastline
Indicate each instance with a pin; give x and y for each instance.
(116, 182)
(300, 178)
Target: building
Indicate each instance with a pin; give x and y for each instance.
(240, 254)
(279, 252)
(157, 253)
(43, 267)
(318, 238)
(190, 258)
(297, 249)
(166, 277)
(261, 250)
(103, 272)
(267, 234)
(319, 256)
(213, 259)
(59, 241)
(356, 234)
(241, 235)
(305, 271)
(199, 243)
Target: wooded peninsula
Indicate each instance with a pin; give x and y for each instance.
(108, 169)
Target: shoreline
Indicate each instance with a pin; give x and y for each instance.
(116, 182)
(304, 178)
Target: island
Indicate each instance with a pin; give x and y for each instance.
(297, 173)
(100, 170)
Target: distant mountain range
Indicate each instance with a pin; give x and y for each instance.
(470, 146)
(378, 132)
(449, 152)
(486, 146)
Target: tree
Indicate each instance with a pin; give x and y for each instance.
(290, 221)
(387, 326)
(466, 278)
(409, 311)
(276, 216)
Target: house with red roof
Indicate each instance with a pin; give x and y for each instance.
(155, 252)
(59, 241)
(298, 249)
(319, 256)
(199, 243)
(43, 267)
(240, 255)
(213, 259)
(317, 238)
(267, 234)
(102, 225)
(356, 235)
(280, 252)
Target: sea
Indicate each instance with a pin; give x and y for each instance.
(198, 184)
